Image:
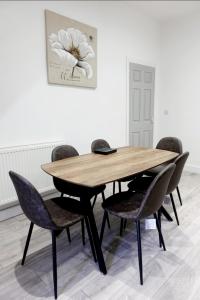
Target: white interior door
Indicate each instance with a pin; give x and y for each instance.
(141, 105)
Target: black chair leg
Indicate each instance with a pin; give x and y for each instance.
(68, 234)
(125, 224)
(61, 194)
(93, 204)
(139, 251)
(103, 225)
(27, 243)
(83, 231)
(161, 240)
(54, 262)
(90, 239)
(179, 195)
(107, 217)
(174, 208)
(120, 187)
(166, 214)
(159, 220)
(121, 227)
(113, 187)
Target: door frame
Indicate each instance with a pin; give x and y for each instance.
(145, 63)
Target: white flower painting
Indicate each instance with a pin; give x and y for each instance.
(71, 48)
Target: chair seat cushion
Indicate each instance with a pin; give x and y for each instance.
(64, 211)
(124, 205)
(140, 184)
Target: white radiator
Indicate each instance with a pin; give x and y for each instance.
(25, 160)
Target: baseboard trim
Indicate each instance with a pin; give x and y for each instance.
(192, 168)
(14, 209)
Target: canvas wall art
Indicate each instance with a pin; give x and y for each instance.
(71, 51)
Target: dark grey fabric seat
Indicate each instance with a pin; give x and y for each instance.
(124, 205)
(170, 144)
(141, 184)
(71, 189)
(48, 215)
(137, 206)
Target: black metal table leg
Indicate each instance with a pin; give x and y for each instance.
(97, 243)
(166, 214)
(95, 236)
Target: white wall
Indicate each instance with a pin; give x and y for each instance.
(180, 84)
(34, 111)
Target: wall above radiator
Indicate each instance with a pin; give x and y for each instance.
(25, 160)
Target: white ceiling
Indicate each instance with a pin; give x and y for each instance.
(167, 10)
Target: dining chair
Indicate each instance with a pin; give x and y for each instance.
(141, 184)
(99, 144)
(54, 214)
(170, 144)
(138, 206)
(70, 189)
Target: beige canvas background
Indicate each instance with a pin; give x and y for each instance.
(58, 73)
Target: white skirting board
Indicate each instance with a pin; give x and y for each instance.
(192, 168)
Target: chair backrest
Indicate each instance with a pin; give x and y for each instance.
(155, 194)
(63, 151)
(170, 144)
(176, 176)
(98, 144)
(31, 202)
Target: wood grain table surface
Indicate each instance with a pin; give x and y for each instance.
(95, 169)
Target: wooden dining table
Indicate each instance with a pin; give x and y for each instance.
(92, 170)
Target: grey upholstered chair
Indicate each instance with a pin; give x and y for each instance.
(71, 189)
(141, 184)
(54, 214)
(138, 206)
(170, 144)
(99, 144)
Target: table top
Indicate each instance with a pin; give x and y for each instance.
(93, 169)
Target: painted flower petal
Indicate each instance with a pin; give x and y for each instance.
(66, 57)
(81, 70)
(86, 51)
(87, 67)
(76, 36)
(53, 38)
(65, 39)
(57, 45)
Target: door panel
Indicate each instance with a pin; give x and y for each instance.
(135, 139)
(141, 103)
